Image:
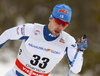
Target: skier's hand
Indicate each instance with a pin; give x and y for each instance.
(82, 45)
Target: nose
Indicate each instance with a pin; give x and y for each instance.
(60, 26)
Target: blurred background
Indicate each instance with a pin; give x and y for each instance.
(85, 20)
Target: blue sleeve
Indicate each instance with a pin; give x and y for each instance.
(70, 62)
(22, 38)
(3, 43)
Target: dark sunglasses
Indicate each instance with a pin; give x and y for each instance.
(58, 21)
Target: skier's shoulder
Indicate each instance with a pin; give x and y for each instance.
(28, 25)
(31, 25)
(38, 24)
(68, 36)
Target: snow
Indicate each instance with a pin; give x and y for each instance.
(7, 60)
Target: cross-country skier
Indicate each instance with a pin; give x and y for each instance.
(43, 46)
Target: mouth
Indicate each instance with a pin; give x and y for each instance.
(57, 31)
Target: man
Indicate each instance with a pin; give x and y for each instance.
(43, 46)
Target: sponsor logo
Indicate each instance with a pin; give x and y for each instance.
(37, 32)
(48, 50)
(51, 35)
(62, 40)
(30, 72)
(35, 69)
(18, 30)
(63, 11)
(26, 69)
(23, 30)
(44, 49)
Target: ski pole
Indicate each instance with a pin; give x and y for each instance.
(82, 39)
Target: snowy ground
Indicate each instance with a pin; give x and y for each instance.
(7, 60)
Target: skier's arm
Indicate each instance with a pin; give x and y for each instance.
(70, 53)
(15, 33)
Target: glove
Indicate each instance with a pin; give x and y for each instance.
(82, 45)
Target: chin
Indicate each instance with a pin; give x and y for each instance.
(56, 35)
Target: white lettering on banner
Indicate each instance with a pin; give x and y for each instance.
(37, 74)
(26, 70)
(31, 72)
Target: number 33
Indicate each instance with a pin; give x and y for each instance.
(36, 61)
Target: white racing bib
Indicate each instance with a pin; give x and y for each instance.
(37, 57)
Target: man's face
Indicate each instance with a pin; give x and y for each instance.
(55, 28)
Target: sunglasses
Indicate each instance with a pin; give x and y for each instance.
(58, 21)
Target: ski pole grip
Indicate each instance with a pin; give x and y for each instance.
(84, 36)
